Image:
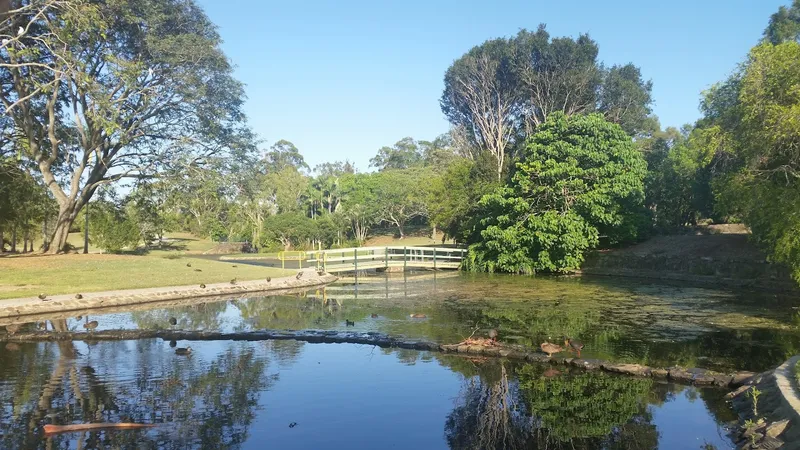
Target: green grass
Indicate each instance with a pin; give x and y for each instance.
(25, 276)
(173, 243)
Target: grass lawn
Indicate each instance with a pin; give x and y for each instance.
(25, 276)
(173, 243)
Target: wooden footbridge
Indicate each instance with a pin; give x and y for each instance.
(385, 258)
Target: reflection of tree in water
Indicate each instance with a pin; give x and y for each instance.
(285, 352)
(487, 415)
(204, 316)
(583, 405)
(203, 404)
(540, 410)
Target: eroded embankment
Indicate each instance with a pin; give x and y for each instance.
(700, 377)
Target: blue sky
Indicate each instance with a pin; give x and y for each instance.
(341, 79)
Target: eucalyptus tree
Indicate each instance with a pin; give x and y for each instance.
(103, 90)
(499, 92)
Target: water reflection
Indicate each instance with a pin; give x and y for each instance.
(652, 324)
(241, 395)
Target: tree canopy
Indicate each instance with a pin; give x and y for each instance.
(579, 178)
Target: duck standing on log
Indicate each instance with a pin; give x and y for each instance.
(550, 348)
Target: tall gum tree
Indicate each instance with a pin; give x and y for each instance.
(104, 90)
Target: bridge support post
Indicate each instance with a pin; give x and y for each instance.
(355, 259)
(386, 257)
(405, 258)
(434, 258)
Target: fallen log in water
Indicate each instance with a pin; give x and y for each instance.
(56, 429)
(474, 347)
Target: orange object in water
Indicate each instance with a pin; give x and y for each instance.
(55, 429)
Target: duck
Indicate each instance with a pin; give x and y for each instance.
(78, 296)
(198, 270)
(417, 316)
(183, 351)
(42, 296)
(374, 316)
(173, 344)
(173, 321)
(233, 281)
(299, 275)
(234, 266)
(550, 348)
(269, 279)
(202, 286)
(321, 273)
(349, 323)
(493, 335)
(91, 325)
(188, 264)
(575, 345)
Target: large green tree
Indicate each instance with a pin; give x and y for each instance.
(580, 178)
(753, 124)
(499, 92)
(103, 90)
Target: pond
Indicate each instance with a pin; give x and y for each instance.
(289, 394)
(658, 325)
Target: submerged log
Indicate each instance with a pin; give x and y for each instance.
(56, 429)
(674, 374)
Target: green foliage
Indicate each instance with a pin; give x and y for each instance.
(579, 178)
(499, 92)
(284, 154)
(784, 25)
(752, 127)
(583, 405)
(111, 229)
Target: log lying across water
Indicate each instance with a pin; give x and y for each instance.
(681, 375)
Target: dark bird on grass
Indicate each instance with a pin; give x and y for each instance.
(349, 323)
(173, 344)
(493, 335)
(91, 325)
(234, 265)
(78, 296)
(269, 279)
(42, 297)
(574, 345)
(417, 316)
(299, 275)
(173, 321)
(551, 348)
(202, 286)
(183, 351)
(374, 316)
(188, 264)
(198, 270)
(233, 281)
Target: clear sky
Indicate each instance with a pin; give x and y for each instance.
(340, 79)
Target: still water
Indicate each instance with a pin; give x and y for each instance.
(293, 395)
(623, 321)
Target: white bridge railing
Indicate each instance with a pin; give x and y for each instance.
(362, 258)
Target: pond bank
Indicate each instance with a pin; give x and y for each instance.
(691, 376)
(61, 303)
(768, 406)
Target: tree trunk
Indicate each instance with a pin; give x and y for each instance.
(400, 229)
(66, 217)
(14, 239)
(2, 242)
(25, 243)
(433, 231)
